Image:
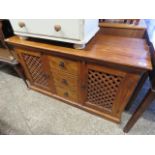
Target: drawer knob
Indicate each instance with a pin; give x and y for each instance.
(45, 75)
(64, 81)
(61, 64)
(57, 28)
(66, 94)
(21, 24)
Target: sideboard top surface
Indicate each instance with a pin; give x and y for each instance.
(131, 52)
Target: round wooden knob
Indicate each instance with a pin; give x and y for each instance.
(21, 24)
(66, 94)
(45, 75)
(64, 81)
(11, 57)
(57, 28)
(61, 64)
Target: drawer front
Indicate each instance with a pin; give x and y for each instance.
(49, 27)
(67, 94)
(61, 64)
(65, 81)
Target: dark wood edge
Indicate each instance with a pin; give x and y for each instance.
(121, 26)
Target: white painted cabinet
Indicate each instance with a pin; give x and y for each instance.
(77, 31)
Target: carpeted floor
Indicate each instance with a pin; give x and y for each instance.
(23, 111)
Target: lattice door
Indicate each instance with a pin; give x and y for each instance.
(34, 66)
(102, 89)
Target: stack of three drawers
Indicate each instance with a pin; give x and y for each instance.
(65, 77)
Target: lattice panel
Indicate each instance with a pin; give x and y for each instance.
(102, 89)
(35, 68)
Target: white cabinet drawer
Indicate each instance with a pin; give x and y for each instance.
(68, 28)
(76, 31)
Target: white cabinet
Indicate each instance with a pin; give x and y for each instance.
(77, 31)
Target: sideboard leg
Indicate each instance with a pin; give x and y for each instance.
(79, 46)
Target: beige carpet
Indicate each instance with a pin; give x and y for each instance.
(24, 111)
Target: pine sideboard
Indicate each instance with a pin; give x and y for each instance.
(99, 79)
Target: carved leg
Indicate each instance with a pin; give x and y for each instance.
(150, 96)
(79, 46)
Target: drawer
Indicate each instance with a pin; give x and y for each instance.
(67, 94)
(63, 64)
(65, 81)
(61, 28)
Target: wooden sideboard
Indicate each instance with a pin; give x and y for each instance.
(99, 79)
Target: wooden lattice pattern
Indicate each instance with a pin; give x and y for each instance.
(102, 89)
(35, 68)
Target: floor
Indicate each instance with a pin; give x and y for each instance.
(23, 111)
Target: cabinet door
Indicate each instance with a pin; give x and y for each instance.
(108, 90)
(35, 69)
